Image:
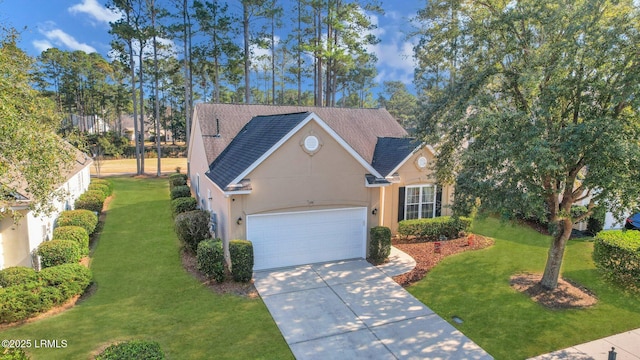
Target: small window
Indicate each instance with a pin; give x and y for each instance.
(420, 202)
(198, 185)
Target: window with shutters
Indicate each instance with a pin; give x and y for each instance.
(420, 202)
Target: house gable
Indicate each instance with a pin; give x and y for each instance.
(260, 138)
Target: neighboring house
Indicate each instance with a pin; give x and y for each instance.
(90, 124)
(128, 129)
(306, 184)
(19, 239)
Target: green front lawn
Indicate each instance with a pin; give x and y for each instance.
(144, 293)
(475, 287)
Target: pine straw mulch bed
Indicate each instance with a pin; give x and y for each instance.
(423, 252)
(567, 295)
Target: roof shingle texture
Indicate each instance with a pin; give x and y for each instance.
(390, 152)
(254, 140)
(360, 128)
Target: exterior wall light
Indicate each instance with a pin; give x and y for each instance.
(239, 221)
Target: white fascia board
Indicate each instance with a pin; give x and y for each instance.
(323, 125)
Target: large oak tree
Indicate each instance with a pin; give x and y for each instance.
(535, 105)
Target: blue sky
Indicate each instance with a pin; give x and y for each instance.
(84, 25)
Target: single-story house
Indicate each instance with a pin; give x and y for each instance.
(306, 184)
(20, 237)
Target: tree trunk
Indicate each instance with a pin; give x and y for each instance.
(141, 74)
(556, 253)
(187, 71)
(136, 131)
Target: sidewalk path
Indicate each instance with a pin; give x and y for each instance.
(627, 347)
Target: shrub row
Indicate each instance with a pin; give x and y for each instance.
(616, 254)
(432, 229)
(135, 349)
(380, 244)
(51, 287)
(86, 219)
(13, 354)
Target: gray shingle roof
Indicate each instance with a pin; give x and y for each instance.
(252, 141)
(390, 152)
(360, 128)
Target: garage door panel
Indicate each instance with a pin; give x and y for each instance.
(295, 238)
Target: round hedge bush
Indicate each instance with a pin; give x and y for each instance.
(103, 188)
(241, 252)
(86, 219)
(90, 200)
(178, 181)
(17, 275)
(192, 227)
(75, 233)
(178, 176)
(135, 349)
(180, 191)
(210, 259)
(70, 279)
(106, 182)
(183, 204)
(58, 252)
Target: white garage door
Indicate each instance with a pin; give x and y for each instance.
(306, 237)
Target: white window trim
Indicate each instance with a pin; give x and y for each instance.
(420, 186)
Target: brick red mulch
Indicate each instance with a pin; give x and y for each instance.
(426, 258)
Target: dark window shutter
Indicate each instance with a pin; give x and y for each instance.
(401, 204)
(439, 201)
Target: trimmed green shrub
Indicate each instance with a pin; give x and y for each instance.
(180, 191)
(86, 219)
(90, 200)
(241, 253)
(183, 204)
(380, 244)
(103, 188)
(55, 286)
(75, 233)
(106, 182)
(177, 175)
(177, 181)
(134, 349)
(431, 229)
(210, 258)
(70, 279)
(17, 275)
(192, 227)
(58, 252)
(13, 354)
(616, 254)
(21, 302)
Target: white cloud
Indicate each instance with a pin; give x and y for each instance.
(95, 10)
(395, 59)
(41, 45)
(58, 38)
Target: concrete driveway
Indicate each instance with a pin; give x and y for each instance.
(352, 310)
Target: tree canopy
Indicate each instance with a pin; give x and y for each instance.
(33, 159)
(534, 105)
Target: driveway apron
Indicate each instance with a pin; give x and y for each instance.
(352, 310)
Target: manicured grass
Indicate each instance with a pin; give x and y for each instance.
(120, 166)
(144, 293)
(475, 287)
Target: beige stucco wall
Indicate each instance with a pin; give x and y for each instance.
(410, 175)
(293, 180)
(14, 241)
